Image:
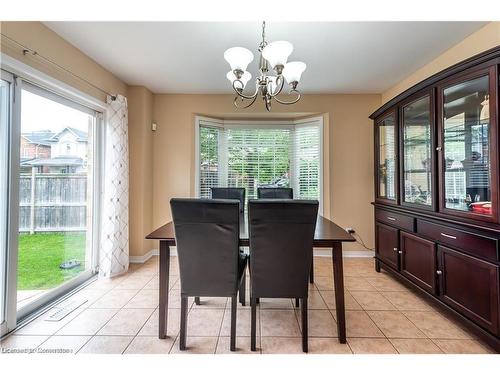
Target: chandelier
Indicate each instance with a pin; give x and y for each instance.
(273, 55)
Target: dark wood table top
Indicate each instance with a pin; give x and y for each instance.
(326, 233)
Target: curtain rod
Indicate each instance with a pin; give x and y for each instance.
(30, 51)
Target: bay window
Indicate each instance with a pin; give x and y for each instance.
(259, 154)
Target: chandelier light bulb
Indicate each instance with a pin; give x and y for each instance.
(244, 78)
(293, 71)
(277, 53)
(238, 58)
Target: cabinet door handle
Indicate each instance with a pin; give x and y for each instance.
(439, 272)
(400, 252)
(439, 148)
(448, 236)
(391, 218)
(395, 249)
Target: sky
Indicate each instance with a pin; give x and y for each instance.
(39, 113)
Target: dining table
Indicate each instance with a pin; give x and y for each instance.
(327, 235)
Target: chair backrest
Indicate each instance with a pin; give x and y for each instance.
(207, 239)
(274, 193)
(281, 234)
(230, 193)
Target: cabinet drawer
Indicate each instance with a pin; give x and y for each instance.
(474, 244)
(394, 219)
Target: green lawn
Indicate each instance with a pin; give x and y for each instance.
(41, 254)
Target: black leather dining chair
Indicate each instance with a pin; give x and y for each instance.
(281, 234)
(274, 193)
(230, 193)
(282, 193)
(210, 262)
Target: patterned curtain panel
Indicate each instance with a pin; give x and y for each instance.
(114, 252)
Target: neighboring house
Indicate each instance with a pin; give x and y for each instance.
(62, 152)
(69, 142)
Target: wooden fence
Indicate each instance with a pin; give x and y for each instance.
(53, 202)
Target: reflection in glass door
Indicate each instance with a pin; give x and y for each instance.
(386, 173)
(56, 174)
(417, 152)
(466, 147)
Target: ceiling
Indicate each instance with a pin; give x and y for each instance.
(187, 57)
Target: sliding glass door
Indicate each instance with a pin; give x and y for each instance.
(56, 173)
(49, 196)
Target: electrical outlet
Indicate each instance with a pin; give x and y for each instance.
(350, 230)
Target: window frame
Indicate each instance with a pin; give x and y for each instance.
(291, 124)
(6, 294)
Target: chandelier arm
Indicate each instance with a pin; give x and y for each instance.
(293, 101)
(278, 90)
(241, 93)
(246, 106)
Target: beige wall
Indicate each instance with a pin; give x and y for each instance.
(40, 38)
(349, 136)
(140, 115)
(485, 38)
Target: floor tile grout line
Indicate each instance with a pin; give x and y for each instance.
(379, 328)
(88, 308)
(13, 333)
(118, 310)
(139, 330)
(221, 323)
(261, 350)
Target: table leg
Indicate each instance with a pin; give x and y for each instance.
(338, 280)
(164, 289)
(311, 272)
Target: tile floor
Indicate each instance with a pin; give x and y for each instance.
(121, 316)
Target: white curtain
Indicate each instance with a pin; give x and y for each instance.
(114, 251)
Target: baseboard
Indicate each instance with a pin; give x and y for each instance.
(317, 252)
(143, 258)
(346, 253)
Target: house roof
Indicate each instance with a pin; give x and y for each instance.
(40, 137)
(47, 137)
(80, 135)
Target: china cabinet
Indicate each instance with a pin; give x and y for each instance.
(437, 224)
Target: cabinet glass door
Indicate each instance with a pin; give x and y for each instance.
(386, 173)
(417, 152)
(466, 133)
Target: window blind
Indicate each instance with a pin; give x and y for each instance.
(306, 161)
(251, 156)
(258, 158)
(209, 138)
